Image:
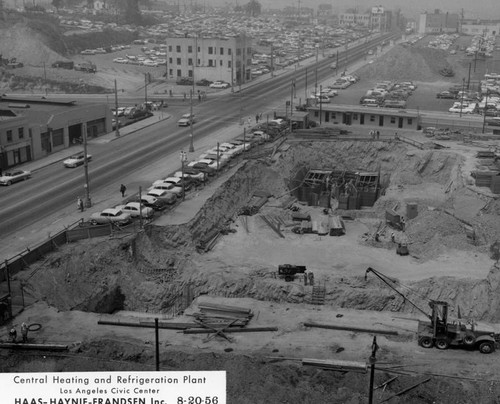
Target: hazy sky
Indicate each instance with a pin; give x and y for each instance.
(472, 8)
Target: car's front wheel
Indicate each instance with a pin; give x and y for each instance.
(9, 182)
(93, 222)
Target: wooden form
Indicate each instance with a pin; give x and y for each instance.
(38, 347)
(348, 328)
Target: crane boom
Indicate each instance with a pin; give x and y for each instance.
(386, 279)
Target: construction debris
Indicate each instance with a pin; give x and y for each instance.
(38, 347)
(338, 365)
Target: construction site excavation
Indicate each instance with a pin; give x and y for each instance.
(268, 280)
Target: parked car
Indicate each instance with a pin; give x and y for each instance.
(88, 52)
(446, 95)
(169, 185)
(120, 60)
(184, 81)
(152, 202)
(219, 84)
(203, 82)
(202, 166)
(192, 174)
(134, 210)
(162, 194)
(76, 160)
(186, 120)
(111, 215)
(10, 177)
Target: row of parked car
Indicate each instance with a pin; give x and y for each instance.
(388, 94)
(167, 191)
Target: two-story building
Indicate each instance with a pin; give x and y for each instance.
(227, 59)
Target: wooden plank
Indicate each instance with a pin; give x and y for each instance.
(232, 330)
(406, 390)
(39, 347)
(354, 329)
(339, 365)
(222, 307)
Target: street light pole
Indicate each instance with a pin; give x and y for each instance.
(191, 123)
(484, 110)
(183, 160)
(316, 70)
(88, 202)
(117, 124)
(462, 100)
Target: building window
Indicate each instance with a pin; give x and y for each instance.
(190, 73)
(190, 62)
(221, 51)
(199, 62)
(171, 72)
(229, 64)
(316, 113)
(221, 63)
(178, 49)
(393, 119)
(334, 116)
(170, 60)
(179, 73)
(199, 49)
(355, 117)
(190, 49)
(410, 121)
(210, 50)
(170, 48)
(210, 63)
(9, 136)
(229, 52)
(249, 51)
(178, 61)
(238, 52)
(372, 118)
(20, 132)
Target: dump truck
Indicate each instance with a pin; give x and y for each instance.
(441, 333)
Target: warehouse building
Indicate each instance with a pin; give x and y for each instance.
(32, 128)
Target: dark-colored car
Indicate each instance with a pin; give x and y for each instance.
(203, 82)
(446, 95)
(204, 168)
(184, 81)
(152, 202)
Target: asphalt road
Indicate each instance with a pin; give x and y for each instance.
(55, 187)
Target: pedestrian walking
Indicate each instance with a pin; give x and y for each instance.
(257, 118)
(184, 96)
(378, 135)
(79, 203)
(13, 335)
(311, 279)
(393, 237)
(305, 278)
(123, 188)
(24, 332)
(396, 137)
(260, 116)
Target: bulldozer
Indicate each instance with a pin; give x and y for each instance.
(441, 333)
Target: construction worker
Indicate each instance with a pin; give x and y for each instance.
(393, 237)
(24, 332)
(311, 278)
(13, 335)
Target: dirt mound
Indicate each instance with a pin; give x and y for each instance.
(407, 63)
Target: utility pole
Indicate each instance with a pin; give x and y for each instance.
(140, 207)
(183, 160)
(272, 61)
(117, 124)
(88, 202)
(320, 104)
(305, 89)
(485, 109)
(462, 98)
(145, 87)
(372, 361)
(191, 123)
(232, 72)
(316, 69)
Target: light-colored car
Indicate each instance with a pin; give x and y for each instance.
(88, 52)
(186, 120)
(111, 215)
(76, 160)
(150, 63)
(10, 177)
(219, 84)
(134, 210)
(120, 60)
(165, 195)
(191, 174)
(170, 184)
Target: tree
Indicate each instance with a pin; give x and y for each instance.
(132, 13)
(253, 8)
